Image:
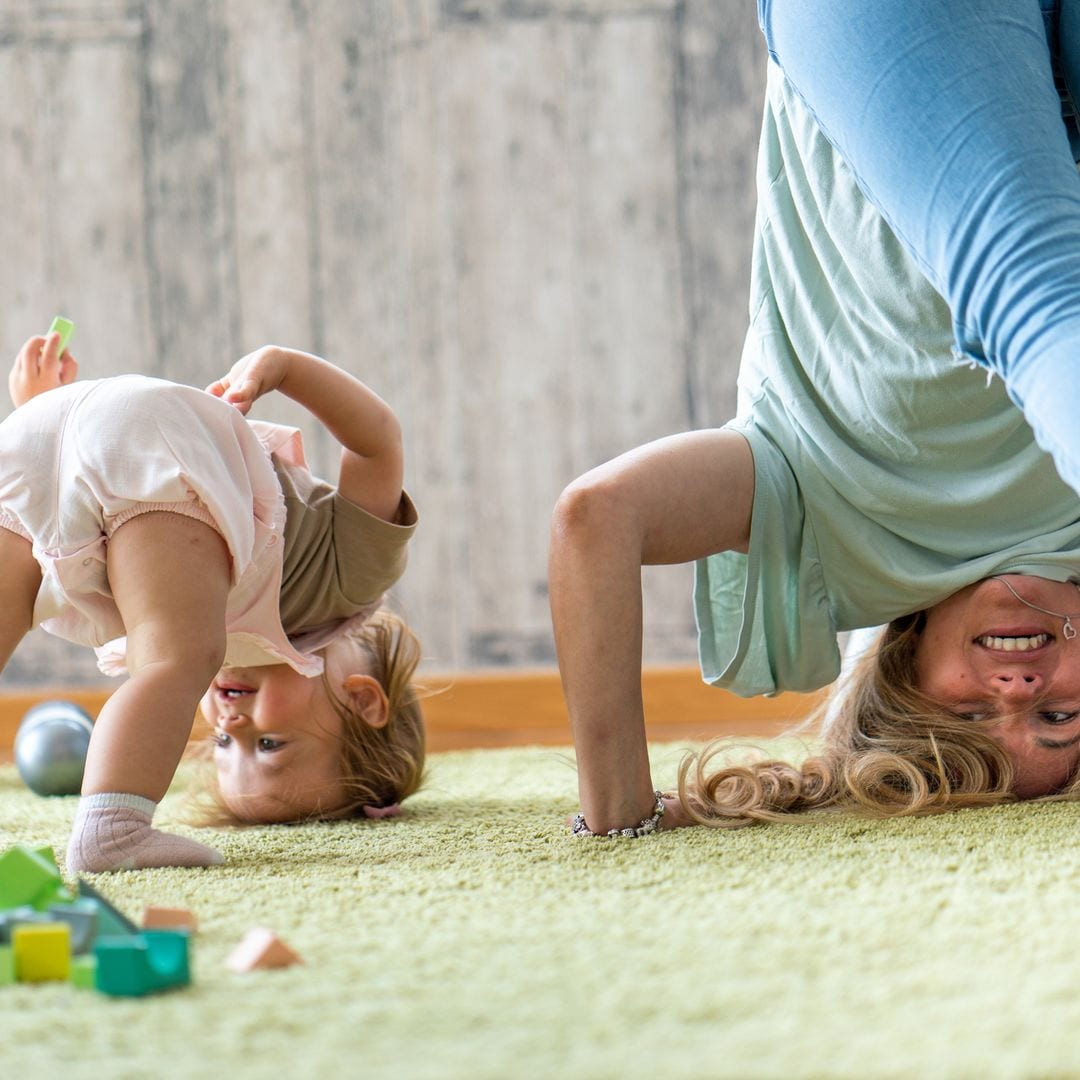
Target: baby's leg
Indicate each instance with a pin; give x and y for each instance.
(169, 576)
(20, 580)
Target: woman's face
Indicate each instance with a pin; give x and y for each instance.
(983, 653)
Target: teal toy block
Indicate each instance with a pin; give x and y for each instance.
(20, 916)
(83, 971)
(65, 328)
(7, 965)
(146, 963)
(82, 917)
(26, 876)
(42, 952)
(111, 923)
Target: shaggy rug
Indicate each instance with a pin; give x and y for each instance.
(472, 938)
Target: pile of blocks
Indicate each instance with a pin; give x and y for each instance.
(47, 933)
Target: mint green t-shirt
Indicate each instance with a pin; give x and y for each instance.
(889, 473)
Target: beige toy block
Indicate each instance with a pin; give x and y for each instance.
(261, 948)
(169, 918)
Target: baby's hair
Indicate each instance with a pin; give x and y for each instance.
(384, 765)
(888, 752)
(380, 766)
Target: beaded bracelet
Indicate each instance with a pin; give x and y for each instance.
(645, 827)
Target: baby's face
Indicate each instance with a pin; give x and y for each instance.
(277, 743)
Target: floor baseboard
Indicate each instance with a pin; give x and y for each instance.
(516, 708)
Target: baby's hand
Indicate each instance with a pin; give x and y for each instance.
(40, 366)
(250, 377)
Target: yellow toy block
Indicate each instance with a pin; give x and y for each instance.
(42, 951)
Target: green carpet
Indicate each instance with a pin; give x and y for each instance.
(472, 938)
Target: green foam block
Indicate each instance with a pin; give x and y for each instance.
(65, 328)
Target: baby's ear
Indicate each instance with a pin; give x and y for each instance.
(367, 698)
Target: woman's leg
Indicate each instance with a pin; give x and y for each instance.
(672, 501)
(948, 115)
(169, 576)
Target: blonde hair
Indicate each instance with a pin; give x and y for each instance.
(380, 766)
(889, 751)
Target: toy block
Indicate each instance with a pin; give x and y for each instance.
(19, 916)
(7, 965)
(82, 917)
(25, 875)
(111, 922)
(52, 894)
(145, 963)
(42, 951)
(64, 327)
(48, 854)
(261, 948)
(83, 971)
(169, 918)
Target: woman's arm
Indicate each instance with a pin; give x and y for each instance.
(372, 460)
(672, 501)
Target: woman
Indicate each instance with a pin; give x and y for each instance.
(918, 233)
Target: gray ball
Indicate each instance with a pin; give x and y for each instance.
(50, 747)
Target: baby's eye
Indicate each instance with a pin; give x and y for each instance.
(1056, 717)
(220, 738)
(270, 745)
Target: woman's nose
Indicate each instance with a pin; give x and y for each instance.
(1017, 687)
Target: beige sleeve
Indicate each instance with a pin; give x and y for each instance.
(338, 557)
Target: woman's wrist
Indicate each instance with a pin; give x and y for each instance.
(648, 824)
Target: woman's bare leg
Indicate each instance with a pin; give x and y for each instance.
(672, 501)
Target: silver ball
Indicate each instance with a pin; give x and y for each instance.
(50, 747)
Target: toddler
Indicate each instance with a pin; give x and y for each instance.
(195, 551)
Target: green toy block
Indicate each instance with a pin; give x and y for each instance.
(25, 875)
(47, 854)
(82, 917)
(147, 963)
(7, 965)
(84, 971)
(65, 328)
(51, 895)
(42, 951)
(111, 923)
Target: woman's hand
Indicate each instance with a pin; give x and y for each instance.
(40, 366)
(251, 376)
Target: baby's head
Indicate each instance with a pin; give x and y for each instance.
(290, 748)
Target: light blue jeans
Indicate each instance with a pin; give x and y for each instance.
(950, 113)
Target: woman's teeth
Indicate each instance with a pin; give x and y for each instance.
(1014, 644)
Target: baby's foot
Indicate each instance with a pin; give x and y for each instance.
(112, 832)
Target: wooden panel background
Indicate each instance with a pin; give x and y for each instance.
(527, 224)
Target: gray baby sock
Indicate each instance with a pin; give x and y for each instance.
(112, 832)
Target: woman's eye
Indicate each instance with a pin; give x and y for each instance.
(1057, 717)
(973, 716)
(269, 745)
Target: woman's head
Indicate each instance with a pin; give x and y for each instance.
(967, 704)
(286, 747)
(996, 652)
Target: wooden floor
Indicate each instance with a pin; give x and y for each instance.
(521, 708)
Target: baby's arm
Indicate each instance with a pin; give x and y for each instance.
(372, 461)
(40, 366)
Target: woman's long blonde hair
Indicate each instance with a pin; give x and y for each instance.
(889, 751)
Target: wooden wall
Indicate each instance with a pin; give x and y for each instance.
(525, 222)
